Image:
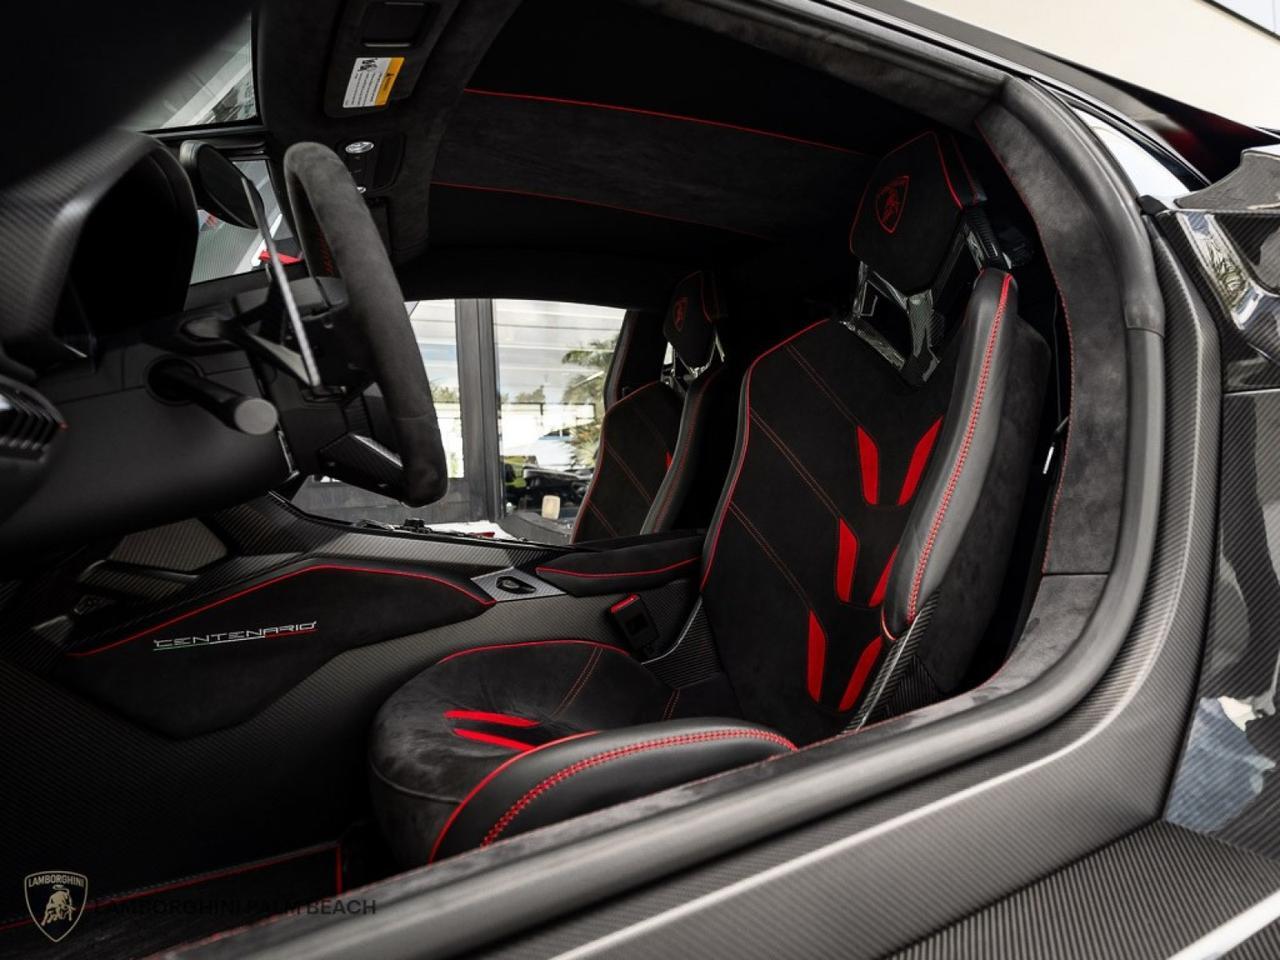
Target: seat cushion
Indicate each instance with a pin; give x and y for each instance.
(461, 744)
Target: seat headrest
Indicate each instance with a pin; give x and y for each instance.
(689, 325)
(910, 208)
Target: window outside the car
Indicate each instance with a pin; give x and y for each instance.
(216, 89)
(553, 359)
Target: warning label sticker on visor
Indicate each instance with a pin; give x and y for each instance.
(371, 81)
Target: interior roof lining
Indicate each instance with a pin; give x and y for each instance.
(663, 115)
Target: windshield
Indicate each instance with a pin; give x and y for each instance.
(217, 88)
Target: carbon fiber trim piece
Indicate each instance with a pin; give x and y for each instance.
(1141, 898)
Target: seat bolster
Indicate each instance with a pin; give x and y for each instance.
(971, 495)
(576, 775)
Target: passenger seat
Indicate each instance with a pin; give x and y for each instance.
(661, 463)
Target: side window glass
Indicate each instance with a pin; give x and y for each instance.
(553, 359)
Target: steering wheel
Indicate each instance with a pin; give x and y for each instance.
(339, 239)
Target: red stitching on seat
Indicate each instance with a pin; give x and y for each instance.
(970, 428)
(620, 573)
(1071, 351)
(483, 601)
(742, 453)
(527, 643)
(946, 176)
(560, 776)
(488, 778)
(595, 476)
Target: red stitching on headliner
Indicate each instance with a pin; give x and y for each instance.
(453, 184)
(746, 439)
(560, 776)
(662, 115)
(1071, 349)
(974, 412)
(483, 601)
(620, 573)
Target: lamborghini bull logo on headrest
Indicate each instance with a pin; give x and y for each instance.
(678, 311)
(891, 200)
(55, 900)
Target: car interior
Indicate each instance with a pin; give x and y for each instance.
(835, 485)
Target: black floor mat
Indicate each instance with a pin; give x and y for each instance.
(144, 921)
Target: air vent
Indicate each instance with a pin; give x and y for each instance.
(28, 422)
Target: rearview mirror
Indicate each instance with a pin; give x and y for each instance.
(219, 184)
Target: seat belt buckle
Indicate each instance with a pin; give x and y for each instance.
(632, 618)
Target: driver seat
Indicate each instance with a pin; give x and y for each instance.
(851, 568)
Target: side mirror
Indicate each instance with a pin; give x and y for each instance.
(219, 185)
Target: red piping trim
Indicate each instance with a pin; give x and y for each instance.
(742, 454)
(620, 573)
(493, 740)
(191, 881)
(974, 412)
(594, 203)
(435, 847)
(919, 457)
(484, 716)
(661, 115)
(337, 868)
(619, 753)
(526, 643)
(623, 604)
(483, 601)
